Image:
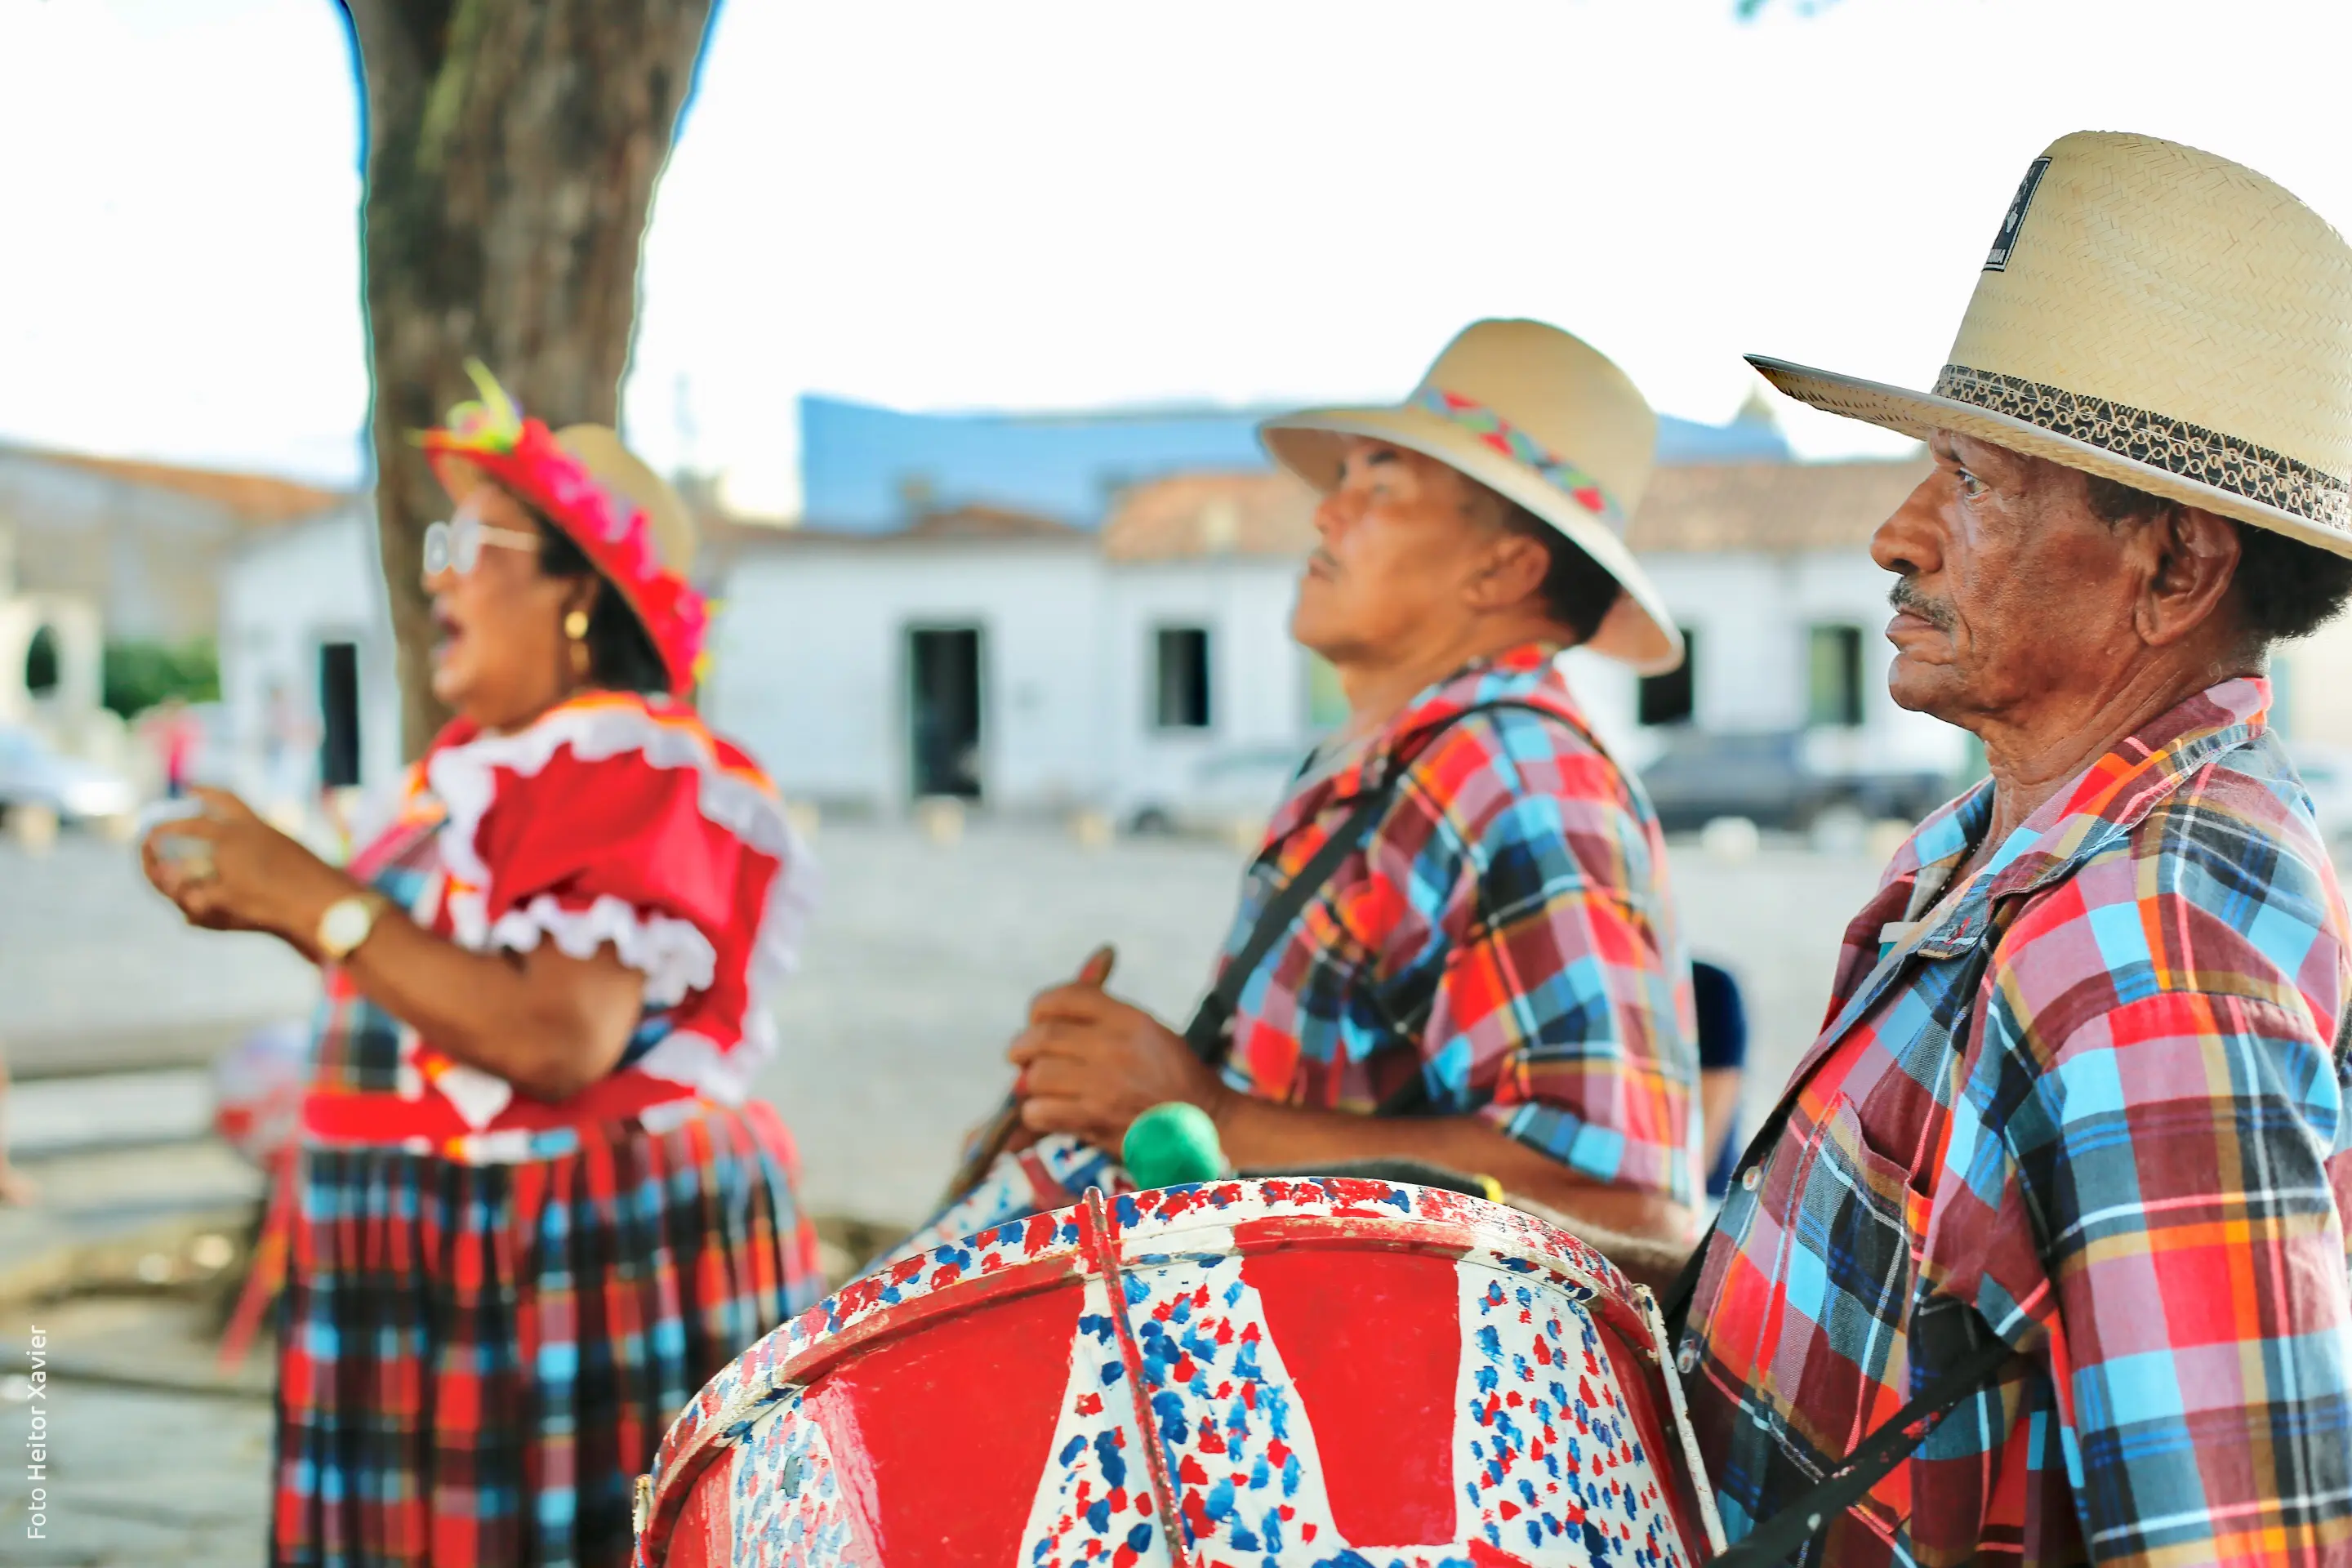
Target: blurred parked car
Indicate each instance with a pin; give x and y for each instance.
(2327, 774)
(1226, 793)
(32, 774)
(1775, 779)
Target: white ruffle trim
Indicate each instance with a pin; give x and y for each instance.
(463, 778)
(673, 954)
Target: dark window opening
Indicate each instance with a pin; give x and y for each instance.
(1181, 681)
(1834, 679)
(1672, 698)
(339, 711)
(944, 712)
(41, 663)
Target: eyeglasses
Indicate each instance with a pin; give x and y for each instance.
(457, 545)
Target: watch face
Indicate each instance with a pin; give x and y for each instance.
(345, 926)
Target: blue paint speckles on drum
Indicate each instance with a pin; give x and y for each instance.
(1107, 1454)
(1557, 1460)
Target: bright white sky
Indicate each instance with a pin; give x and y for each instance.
(1062, 205)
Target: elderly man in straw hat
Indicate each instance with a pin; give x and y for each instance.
(2068, 1164)
(1456, 943)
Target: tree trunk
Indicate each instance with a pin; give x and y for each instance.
(512, 150)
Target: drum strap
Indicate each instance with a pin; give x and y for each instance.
(1792, 1529)
(1206, 1033)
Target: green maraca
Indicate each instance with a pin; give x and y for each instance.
(1174, 1144)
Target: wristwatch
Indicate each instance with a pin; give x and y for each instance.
(347, 923)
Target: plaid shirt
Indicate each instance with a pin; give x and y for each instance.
(2095, 1105)
(1505, 933)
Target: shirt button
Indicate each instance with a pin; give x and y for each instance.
(1688, 1360)
(1749, 1178)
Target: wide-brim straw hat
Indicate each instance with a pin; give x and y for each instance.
(1542, 418)
(2157, 316)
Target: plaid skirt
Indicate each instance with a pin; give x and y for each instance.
(476, 1362)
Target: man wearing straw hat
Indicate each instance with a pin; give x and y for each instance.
(1484, 972)
(2068, 1165)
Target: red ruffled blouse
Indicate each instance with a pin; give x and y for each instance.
(615, 819)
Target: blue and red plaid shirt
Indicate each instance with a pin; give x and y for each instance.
(2094, 1104)
(1505, 934)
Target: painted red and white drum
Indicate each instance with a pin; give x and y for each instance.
(1329, 1372)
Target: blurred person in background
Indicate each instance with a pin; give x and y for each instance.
(289, 743)
(177, 736)
(1722, 1070)
(532, 1211)
(1478, 965)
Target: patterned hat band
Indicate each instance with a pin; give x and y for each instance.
(2188, 451)
(1500, 434)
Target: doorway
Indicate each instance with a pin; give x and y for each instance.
(339, 711)
(943, 711)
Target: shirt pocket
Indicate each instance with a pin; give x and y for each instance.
(1837, 1355)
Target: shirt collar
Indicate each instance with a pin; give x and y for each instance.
(2101, 804)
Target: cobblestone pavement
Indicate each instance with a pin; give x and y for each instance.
(917, 971)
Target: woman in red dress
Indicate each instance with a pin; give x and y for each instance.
(533, 1209)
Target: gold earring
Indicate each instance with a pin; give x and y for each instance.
(576, 630)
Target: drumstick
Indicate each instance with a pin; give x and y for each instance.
(989, 1143)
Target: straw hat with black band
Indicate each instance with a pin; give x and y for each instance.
(1546, 420)
(2157, 316)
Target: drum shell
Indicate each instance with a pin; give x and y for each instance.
(1256, 1371)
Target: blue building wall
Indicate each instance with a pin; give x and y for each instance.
(868, 469)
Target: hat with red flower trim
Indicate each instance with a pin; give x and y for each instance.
(632, 527)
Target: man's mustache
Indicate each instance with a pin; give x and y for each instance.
(1906, 596)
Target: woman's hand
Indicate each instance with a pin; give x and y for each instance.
(238, 873)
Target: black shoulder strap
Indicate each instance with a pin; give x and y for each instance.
(1206, 1033)
(1787, 1533)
